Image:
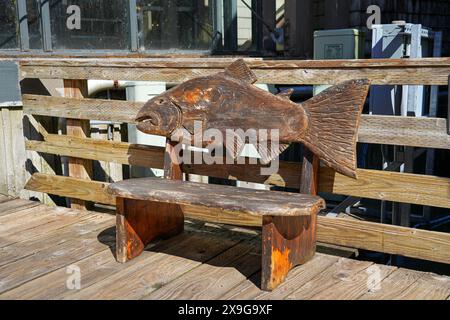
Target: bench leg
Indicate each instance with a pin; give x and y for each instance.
(138, 222)
(286, 243)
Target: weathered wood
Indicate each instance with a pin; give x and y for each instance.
(139, 222)
(14, 205)
(12, 152)
(102, 150)
(70, 187)
(406, 131)
(393, 286)
(86, 109)
(373, 184)
(196, 264)
(166, 262)
(223, 62)
(300, 275)
(172, 169)
(309, 178)
(254, 202)
(68, 252)
(415, 243)
(305, 76)
(78, 168)
(286, 243)
(393, 130)
(290, 241)
(212, 279)
(327, 124)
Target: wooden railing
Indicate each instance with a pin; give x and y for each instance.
(393, 186)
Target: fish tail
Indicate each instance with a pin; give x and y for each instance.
(334, 116)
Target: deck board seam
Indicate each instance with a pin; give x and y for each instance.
(68, 263)
(194, 268)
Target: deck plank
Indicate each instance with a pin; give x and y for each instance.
(427, 287)
(4, 198)
(393, 285)
(215, 277)
(55, 257)
(42, 219)
(62, 230)
(339, 271)
(8, 206)
(157, 268)
(295, 279)
(93, 269)
(357, 284)
(38, 243)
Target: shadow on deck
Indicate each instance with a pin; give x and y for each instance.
(59, 253)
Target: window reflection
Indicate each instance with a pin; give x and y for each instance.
(8, 25)
(104, 25)
(176, 24)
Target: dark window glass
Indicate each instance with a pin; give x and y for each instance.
(34, 26)
(103, 24)
(176, 24)
(8, 25)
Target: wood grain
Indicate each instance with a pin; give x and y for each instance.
(140, 222)
(253, 202)
(286, 243)
(373, 184)
(102, 150)
(393, 130)
(78, 168)
(415, 243)
(420, 71)
(212, 279)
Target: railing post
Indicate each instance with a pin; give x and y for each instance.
(78, 168)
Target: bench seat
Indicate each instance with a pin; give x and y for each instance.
(250, 201)
(149, 208)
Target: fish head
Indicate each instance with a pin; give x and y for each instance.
(159, 116)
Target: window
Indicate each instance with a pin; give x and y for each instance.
(8, 25)
(103, 24)
(176, 24)
(34, 25)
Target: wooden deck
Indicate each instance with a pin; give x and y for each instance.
(42, 249)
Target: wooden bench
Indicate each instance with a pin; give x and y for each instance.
(149, 208)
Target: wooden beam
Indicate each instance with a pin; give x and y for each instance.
(398, 76)
(432, 71)
(221, 62)
(101, 150)
(374, 184)
(405, 131)
(392, 130)
(415, 243)
(78, 168)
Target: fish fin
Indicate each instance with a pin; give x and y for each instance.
(334, 117)
(238, 144)
(268, 154)
(286, 94)
(239, 70)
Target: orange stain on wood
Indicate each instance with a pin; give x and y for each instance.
(193, 96)
(196, 95)
(281, 265)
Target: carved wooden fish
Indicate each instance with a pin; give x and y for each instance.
(327, 124)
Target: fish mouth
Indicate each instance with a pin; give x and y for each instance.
(152, 119)
(162, 121)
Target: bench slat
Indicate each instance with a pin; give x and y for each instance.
(255, 202)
